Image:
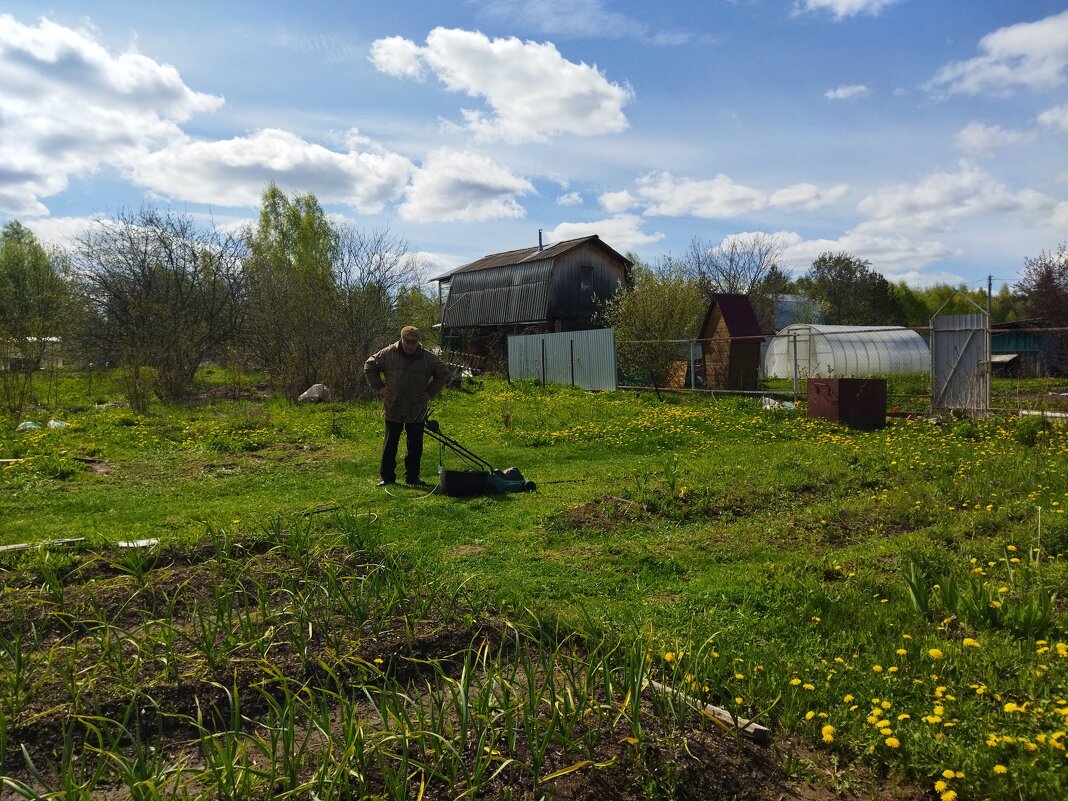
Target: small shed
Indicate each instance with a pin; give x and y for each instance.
(1017, 349)
(543, 289)
(731, 338)
(845, 350)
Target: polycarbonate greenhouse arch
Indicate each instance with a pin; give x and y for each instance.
(841, 351)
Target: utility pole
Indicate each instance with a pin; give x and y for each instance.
(989, 292)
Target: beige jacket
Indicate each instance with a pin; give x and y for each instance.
(409, 378)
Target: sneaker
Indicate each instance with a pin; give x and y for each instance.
(384, 483)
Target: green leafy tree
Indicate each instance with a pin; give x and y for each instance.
(662, 305)
(292, 290)
(34, 304)
(850, 292)
(162, 295)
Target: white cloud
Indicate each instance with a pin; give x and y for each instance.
(893, 256)
(847, 92)
(532, 91)
(60, 231)
(718, 198)
(1056, 117)
(979, 138)
(1059, 216)
(68, 106)
(943, 198)
(621, 232)
(808, 196)
(458, 185)
(233, 172)
(848, 8)
(617, 202)
(1033, 55)
(397, 56)
(570, 199)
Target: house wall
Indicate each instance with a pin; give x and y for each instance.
(579, 276)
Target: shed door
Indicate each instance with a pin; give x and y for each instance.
(960, 363)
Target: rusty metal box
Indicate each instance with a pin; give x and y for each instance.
(855, 402)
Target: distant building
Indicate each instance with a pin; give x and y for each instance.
(38, 354)
(536, 290)
(1022, 349)
(790, 309)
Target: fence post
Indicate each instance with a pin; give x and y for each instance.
(543, 380)
(572, 362)
(794, 338)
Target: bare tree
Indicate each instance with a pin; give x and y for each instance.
(738, 264)
(161, 293)
(746, 264)
(373, 269)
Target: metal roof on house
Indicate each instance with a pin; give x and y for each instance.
(522, 256)
(513, 293)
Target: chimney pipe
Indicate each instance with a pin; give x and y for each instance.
(541, 247)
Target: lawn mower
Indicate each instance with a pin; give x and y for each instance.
(480, 477)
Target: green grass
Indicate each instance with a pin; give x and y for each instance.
(785, 568)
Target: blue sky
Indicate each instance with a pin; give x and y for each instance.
(929, 137)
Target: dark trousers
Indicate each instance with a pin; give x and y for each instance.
(414, 438)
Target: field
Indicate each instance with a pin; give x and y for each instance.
(890, 603)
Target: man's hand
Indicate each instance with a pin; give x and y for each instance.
(385, 394)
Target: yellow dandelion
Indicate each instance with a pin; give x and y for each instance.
(892, 742)
(935, 653)
(828, 733)
(1000, 769)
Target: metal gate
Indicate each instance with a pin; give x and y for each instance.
(960, 363)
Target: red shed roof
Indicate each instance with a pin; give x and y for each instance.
(738, 315)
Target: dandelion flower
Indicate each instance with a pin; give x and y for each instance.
(892, 742)
(968, 642)
(935, 654)
(828, 733)
(1000, 769)
(795, 681)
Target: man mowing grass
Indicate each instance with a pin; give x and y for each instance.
(406, 377)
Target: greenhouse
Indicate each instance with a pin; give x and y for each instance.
(845, 350)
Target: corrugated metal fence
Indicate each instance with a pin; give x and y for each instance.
(584, 359)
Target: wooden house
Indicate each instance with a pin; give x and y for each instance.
(543, 289)
(730, 339)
